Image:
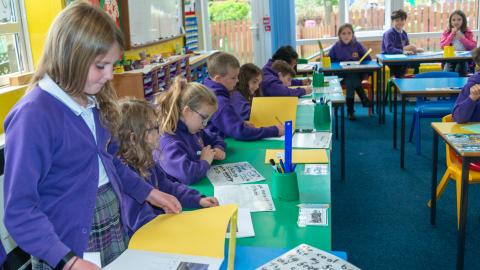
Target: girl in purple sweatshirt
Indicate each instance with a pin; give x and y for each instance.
(247, 88)
(186, 150)
(347, 48)
(138, 137)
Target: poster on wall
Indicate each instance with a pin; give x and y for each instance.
(109, 6)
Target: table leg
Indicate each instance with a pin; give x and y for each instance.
(394, 117)
(433, 206)
(463, 212)
(335, 110)
(342, 142)
(402, 134)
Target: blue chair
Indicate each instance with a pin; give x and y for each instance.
(428, 108)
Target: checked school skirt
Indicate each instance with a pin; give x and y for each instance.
(107, 236)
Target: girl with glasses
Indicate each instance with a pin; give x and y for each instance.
(186, 150)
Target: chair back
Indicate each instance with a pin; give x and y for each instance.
(450, 154)
(437, 74)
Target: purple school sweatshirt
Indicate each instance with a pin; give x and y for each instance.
(393, 42)
(352, 51)
(240, 104)
(227, 122)
(465, 109)
(51, 176)
(272, 86)
(295, 82)
(179, 154)
(140, 214)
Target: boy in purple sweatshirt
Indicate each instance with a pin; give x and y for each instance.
(347, 48)
(395, 41)
(271, 86)
(138, 136)
(467, 106)
(223, 69)
(186, 150)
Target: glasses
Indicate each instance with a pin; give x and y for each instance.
(205, 119)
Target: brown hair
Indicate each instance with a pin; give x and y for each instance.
(476, 56)
(181, 94)
(79, 35)
(248, 72)
(137, 118)
(398, 14)
(345, 26)
(460, 13)
(220, 63)
(283, 67)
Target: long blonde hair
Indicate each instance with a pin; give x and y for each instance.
(137, 118)
(78, 35)
(181, 94)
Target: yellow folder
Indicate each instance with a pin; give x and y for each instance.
(199, 233)
(270, 111)
(298, 155)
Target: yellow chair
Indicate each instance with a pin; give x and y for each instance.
(8, 98)
(454, 172)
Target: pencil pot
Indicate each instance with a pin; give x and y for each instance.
(318, 79)
(326, 62)
(321, 115)
(448, 51)
(285, 186)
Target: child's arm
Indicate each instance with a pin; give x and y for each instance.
(466, 103)
(276, 88)
(230, 123)
(447, 38)
(468, 40)
(174, 159)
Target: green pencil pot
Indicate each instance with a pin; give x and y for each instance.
(318, 79)
(321, 115)
(285, 186)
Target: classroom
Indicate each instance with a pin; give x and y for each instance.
(239, 134)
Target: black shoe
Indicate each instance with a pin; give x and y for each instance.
(366, 103)
(351, 117)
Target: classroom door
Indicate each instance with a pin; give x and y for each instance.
(238, 28)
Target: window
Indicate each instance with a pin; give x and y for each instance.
(13, 56)
(366, 15)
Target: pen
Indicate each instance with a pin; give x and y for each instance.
(314, 100)
(282, 166)
(321, 100)
(274, 166)
(293, 167)
(280, 122)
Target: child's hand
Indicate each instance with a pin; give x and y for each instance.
(167, 202)
(409, 52)
(281, 130)
(208, 202)
(420, 50)
(307, 81)
(308, 90)
(207, 154)
(219, 154)
(459, 34)
(248, 124)
(475, 92)
(80, 264)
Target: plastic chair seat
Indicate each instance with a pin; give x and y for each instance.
(434, 109)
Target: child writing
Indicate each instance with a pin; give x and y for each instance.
(62, 188)
(347, 48)
(248, 86)
(270, 84)
(186, 151)
(395, 41)
(459, 36)
(223, 69)
(467, 106)
(138, 136)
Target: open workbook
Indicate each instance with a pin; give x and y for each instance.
(354, 63)
(189, 240)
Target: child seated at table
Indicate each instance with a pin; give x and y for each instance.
(223, 69)
(270, 86)
(138, 136)
(467, 106)
(248, 86)
(347, 48)
(460, 37)
(395, 41)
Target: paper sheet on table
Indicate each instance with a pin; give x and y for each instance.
(282, 138)
(311, 140)
(475, 128)
(233, 174)
(430, 53)
(298, 155)
(146, 260)
(244, 224)
(395, 56)
(186, 233)
(266, 110)
(255, 197)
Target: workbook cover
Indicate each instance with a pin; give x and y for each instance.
(465, 142)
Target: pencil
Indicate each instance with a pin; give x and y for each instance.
(280, 122)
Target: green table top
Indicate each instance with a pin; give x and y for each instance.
(279, 228)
